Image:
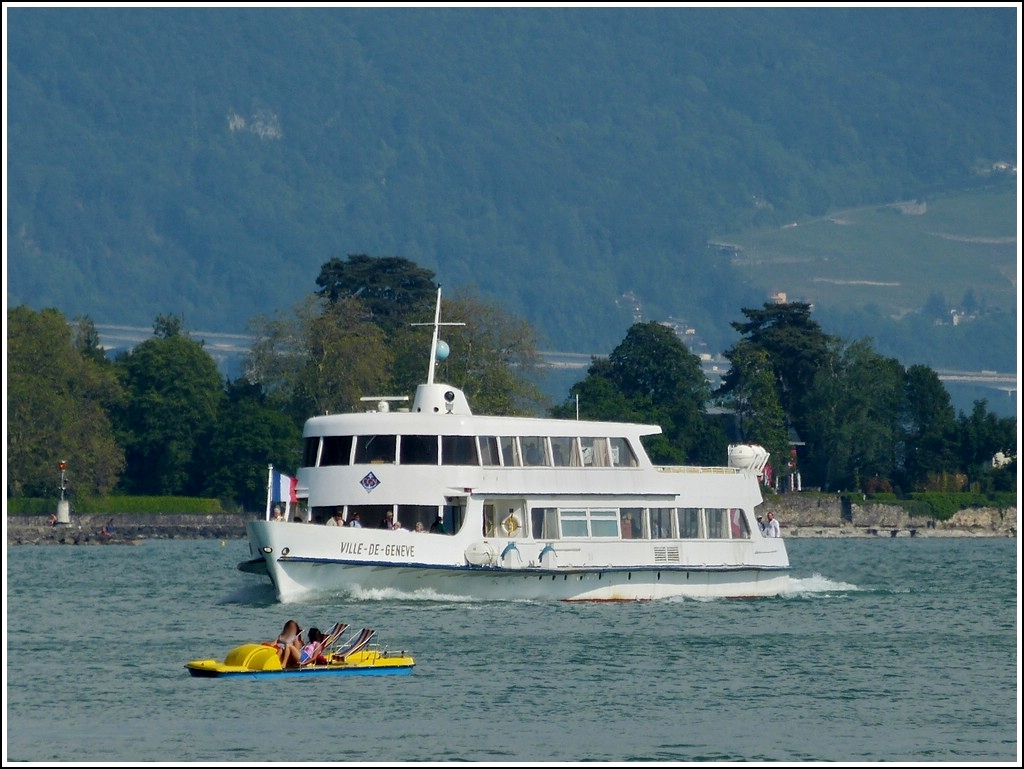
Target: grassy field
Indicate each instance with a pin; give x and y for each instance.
(894, 256)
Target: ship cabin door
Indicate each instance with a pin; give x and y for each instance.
(505, 518)
(454, 513)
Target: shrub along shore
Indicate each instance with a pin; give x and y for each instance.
(800, 516)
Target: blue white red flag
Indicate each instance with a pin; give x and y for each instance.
(282, 487)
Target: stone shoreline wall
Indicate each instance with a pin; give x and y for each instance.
(816, 516)
(128, 529)
(799, 516)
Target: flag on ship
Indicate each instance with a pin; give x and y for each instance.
(280, 488)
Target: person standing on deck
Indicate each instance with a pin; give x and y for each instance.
(771, 526)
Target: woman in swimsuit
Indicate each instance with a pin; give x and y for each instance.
(289, 644)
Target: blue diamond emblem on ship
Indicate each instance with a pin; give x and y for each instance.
(370, 481)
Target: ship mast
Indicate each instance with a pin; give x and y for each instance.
(434, 340)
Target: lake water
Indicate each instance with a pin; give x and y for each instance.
(902, 650)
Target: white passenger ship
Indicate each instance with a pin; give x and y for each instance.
(513, 508)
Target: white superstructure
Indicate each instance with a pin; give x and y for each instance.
(521, 508)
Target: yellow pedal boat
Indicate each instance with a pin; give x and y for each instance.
(254, 660)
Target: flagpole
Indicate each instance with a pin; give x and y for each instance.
(270, 489)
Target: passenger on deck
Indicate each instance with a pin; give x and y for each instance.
(771, 527)
(437, 527)
(389, 521)
(338, 519)
(419, 527)
(354, 522)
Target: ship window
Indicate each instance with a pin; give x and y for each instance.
(370, 516)
(738, 524)
(573, 523)
(629, 522)
(604, 523)
(622, 454)
(337, 450)
(418, 450)
(661, 522)
(489, 450)
(594, 452)
(533, 450)
(510, 456)
(454, 515)
(689, 522)
(310, 448)
(563, 451)
(410, 515)
(717, 523)
(545, 522)
(375, 449)
(458, 450)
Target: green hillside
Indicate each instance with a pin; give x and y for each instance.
(893, 256)
(571, 163)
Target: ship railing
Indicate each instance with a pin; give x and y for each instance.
(697, 470)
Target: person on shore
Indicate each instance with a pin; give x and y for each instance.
(771, 526)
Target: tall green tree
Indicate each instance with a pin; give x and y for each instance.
(321, 358)
(174, 393)
(982, 435)
(755, 399)
(852, 427)
(930, 440)
(796, 347)
(58, 396)
(651, 377)
(393, 288)
(250, 434)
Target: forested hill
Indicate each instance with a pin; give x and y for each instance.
(571, 163)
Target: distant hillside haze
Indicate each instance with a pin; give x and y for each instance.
(571, 164)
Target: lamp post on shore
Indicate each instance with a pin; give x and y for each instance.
(63, 506)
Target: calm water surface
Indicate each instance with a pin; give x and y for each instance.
(884, 650)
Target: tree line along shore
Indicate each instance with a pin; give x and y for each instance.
(799, 517)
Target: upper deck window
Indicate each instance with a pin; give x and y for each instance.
(622, 453)
(564, 452)
(337, 450)
(375, 449)
(534, 450)
(418, 450)
(595, 452)
(510, 456)
(489, 450)
(458, 450)
(310, 449)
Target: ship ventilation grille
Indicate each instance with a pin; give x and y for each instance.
(666, 554)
